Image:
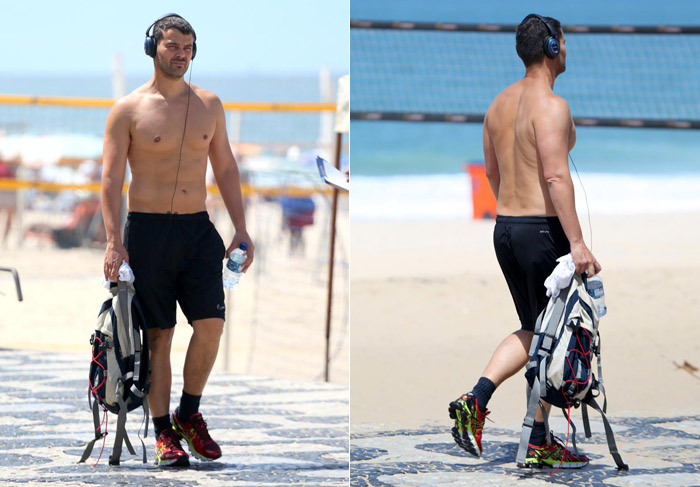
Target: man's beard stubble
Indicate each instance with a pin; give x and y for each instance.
(169, 71)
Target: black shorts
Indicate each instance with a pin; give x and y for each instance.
(176, 258)
(527, 249)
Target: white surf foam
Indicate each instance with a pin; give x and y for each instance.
(446, 196)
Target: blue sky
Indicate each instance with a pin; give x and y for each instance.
(233, 37)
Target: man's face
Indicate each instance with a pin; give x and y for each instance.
(561, 58)
(173, 53)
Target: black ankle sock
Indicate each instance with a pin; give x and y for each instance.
(189, 405)
(482, 392)
(161, 423)
(539, 435)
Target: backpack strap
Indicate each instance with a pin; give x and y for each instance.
(98, 432)
(573, 429)
(120, 435)
(612, 446)
(145, 421)
(529, 421)
(123, 292)
(601, 387)
(586, 422)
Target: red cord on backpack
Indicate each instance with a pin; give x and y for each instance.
(104, 378)
(105, 420)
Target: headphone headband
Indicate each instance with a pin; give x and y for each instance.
(149, 45)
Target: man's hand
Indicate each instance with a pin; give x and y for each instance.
(114, 255)
(584, 261)
(238, 238)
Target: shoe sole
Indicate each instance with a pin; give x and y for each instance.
(197, 454)
(537, 464)
(467, 443)
(178, 462)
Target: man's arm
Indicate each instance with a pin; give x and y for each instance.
(491, 162)
(114, 152)
(229, 182)
(552, 130)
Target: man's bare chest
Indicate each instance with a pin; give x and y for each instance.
(161, 129)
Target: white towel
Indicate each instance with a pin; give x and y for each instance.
(561, 276)
(125, 274)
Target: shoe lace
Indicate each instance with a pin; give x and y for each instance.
(200, 426)
(168, 438)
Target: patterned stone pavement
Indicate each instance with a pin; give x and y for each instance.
(661, 452)
(273, 432)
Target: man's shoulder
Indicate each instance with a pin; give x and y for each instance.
(554, 105)
(127, 103)
(208, 97)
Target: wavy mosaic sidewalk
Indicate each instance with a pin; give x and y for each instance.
(273, 432)
(661, 452)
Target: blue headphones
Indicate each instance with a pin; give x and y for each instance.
(551, 43)
(150, 44)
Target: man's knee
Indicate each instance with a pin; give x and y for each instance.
(211, 328)
(159, 340)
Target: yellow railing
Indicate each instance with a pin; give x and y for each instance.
(15, 184)
(80, 101)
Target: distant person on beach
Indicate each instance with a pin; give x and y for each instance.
(167, 128)
(528, 132)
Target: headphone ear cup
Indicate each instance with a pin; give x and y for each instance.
(149, 46)
(194, 50)
(551, 47)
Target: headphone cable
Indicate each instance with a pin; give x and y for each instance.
(588, 208)
(182, 142)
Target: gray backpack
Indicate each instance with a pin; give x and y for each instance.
(119, 369)
(560, 370)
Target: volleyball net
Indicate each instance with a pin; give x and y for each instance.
(634, 76)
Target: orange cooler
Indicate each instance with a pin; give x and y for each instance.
(483, 200)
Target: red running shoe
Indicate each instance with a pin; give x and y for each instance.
(169, 452)
(194, 432)
(469, 423)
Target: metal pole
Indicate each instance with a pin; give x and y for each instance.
(331, 258)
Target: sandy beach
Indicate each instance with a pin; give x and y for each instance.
(276, 318)
(429, 305)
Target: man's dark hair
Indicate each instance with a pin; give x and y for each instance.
(529, 38)
(172, 23)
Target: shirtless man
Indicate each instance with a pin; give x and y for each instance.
(528, 132)
(167, 129)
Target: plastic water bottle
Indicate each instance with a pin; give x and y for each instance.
(233, 270)
(594, 286)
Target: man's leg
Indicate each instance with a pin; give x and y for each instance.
(469, 411)
(159, 344)
(201, 355)
(509, 359)
(169, 452)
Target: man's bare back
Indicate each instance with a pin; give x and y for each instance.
(528, 133)
(511, 123)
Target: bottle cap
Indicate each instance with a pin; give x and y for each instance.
(243, 246)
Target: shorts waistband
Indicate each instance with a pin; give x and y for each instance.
(199, 216)
(531, 220)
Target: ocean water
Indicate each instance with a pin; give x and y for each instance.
(409, 170)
